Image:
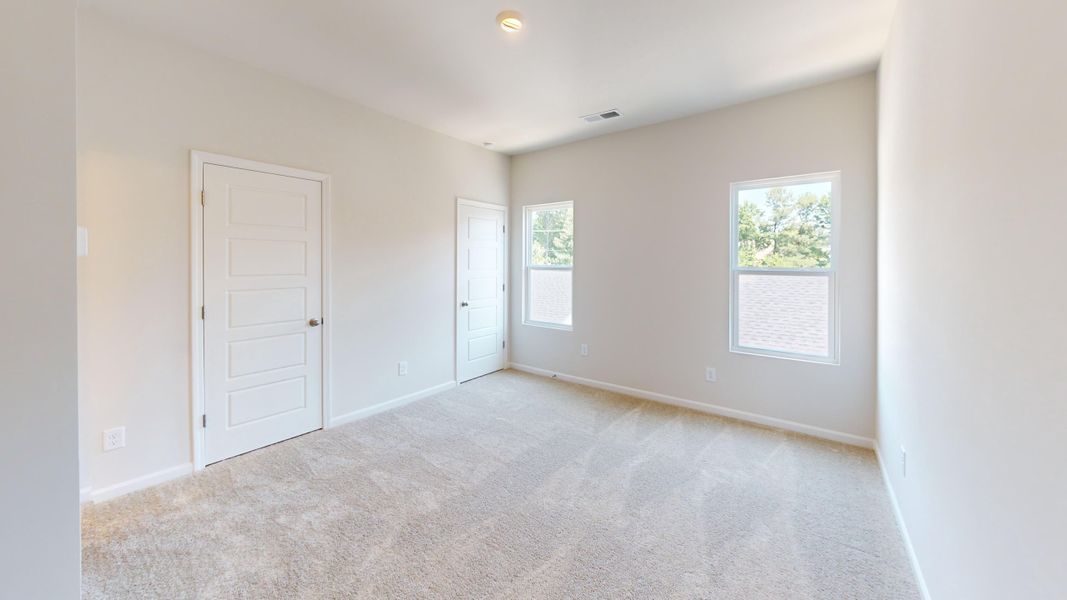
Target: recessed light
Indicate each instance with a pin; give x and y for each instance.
(510, 21)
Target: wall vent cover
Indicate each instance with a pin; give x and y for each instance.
(601, 116)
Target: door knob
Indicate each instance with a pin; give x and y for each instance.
(313, 322)
(464, 304)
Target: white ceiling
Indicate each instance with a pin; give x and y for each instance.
(446, 65)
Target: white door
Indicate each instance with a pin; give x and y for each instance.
(480, 344)
(262, 306)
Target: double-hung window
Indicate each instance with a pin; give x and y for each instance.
(548, 264)
(784, 255)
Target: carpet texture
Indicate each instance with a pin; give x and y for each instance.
(512, 486)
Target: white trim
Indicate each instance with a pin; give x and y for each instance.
(140, 483)
(722, 411)
(834, 177)
(527, 243)
(152, 479)
(506, 282)
(480, 204)
(197, 160)
(327, 299)
(85, 494)
(391, 404)
(88, 494)
(915, 567)
(545, 325)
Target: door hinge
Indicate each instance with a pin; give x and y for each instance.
(203, 420)
(504, 344)
(503, 229)
(503, 287)
(202, 194)
(202, 312)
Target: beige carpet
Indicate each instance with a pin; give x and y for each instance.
(512, 486)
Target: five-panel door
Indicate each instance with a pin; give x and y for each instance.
(262, 309)
(480, 343)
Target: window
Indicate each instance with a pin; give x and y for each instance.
(783, 263)
(548, 264)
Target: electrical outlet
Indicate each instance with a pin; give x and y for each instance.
(710, 374)
(903, 462)
(114, 439)
(585, 349)
(402, 368)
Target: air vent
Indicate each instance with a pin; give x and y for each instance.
(601, 116)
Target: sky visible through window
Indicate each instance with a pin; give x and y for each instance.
(759, 196)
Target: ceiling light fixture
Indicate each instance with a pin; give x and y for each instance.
(510, 21)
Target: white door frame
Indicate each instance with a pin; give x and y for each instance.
(455, 280)
(196, 270)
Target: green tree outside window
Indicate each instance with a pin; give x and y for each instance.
(784, 227)
(553, 237)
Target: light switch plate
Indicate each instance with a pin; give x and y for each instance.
(83, 241)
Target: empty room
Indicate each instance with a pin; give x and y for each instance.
(561, 299)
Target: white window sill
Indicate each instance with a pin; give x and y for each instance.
(543, 325)
(819, 360)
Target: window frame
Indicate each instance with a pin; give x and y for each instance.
(736, 271)
(527, 249)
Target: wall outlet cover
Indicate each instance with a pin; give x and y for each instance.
(114, 438)
(710, 374)
(585, 349)
(402, 368)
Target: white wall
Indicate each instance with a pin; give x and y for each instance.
(143, 104)
(651, 275)
(40, 551)
(972, 376)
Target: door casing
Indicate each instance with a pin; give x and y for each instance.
(196, 270)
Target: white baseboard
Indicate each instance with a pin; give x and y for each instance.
(85, 494)
(138, 483)
(903, 526)
(363, 413)
(88, 494)
(722, 411)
